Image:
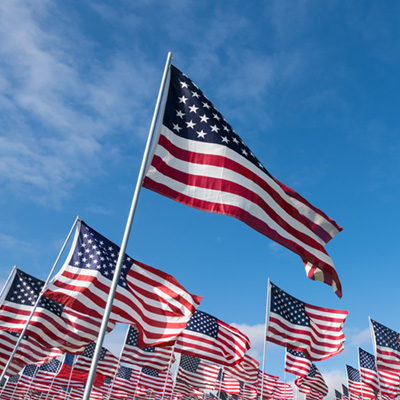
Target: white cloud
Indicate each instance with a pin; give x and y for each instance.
(256, 335)
(334, 379)
(362, 337)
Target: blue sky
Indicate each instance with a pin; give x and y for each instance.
(311, 87)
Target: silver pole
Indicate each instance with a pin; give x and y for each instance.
(137, 384)
(265, 337)
(169, 366)
(38, 299)
(8, 280)
(125, 239)
(52, 381)
(375, 353)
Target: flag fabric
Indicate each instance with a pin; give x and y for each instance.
(246, 371)
(149, 356)
(389, 383)
(368, 371)
(345, 391)
(198, 373)
(356, 387)
(249, 392)
(125, 382)
(267, 387)
(312, 382)
(212, 339)
(338, 395)
(8, 390)
(316, 331)
(227, 384)
(387, 347)
(156, 380)
(297, 363)
(201, 162)
(283, 391)
(53, 325)
(314, 395)
(146, 297)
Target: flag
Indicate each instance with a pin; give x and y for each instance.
(45, 376)
(283, 391)
(227, 384)
(212, 339)
(338, 395)
(314, 395)
(267, 387)
(201, 162)
(146, 297)
(297, 363)
(149, 356)
(198, 373)
(389, 383)
(313, 381)
(156, 380)
(387, 347)
(368, 371)
(316, 331)
(8, 390)
(345, 391)
(356, 387)
(249, 392)
(125, 382)
(53, 325)
(246, 371)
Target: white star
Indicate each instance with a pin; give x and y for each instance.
(182, 99)
(206, 105)
(190, 124)
(204, 118)
(195, 94)
(216, 117)
(183, 84)
(201, 134)
(193, 108)
(179, 113)
(226, 128)
(214, 128)
(176, 127)
(225, 139)
(235, 140)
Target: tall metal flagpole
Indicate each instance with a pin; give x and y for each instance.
(169, 366)
(8, 280)
(125, 239)
(375, 353)
(38, 300)
(265, 336)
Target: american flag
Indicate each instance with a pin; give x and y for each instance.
(389, 383)
(198, 373)
(314, 395)
(297, 363)
(207, 337)
(269, 385)
(338, 395)
(45, 376)
(125, 382)
(53, 325)
(356, 387)
(156, 380)
(146, 297)
(345, 391)
(28, 352)
(149, 356)
(283, 391)
(201, 162)
(249, 392)
(368, 372)
(313, 381)
(246, 371)
(7, 391)
(317, 331)
(27, 376)
(387, 347)
(227, 384)
(107, 365)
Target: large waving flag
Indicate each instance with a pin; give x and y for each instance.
(146, 297)
(387, 347)
(53, 325)
(149, 356)
(212, 339)
(201, 162)
(246, 371)
(316, 331)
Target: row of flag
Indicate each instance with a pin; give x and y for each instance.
(200, 161)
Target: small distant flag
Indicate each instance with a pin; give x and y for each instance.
(338, 395)
(297, 363)
(200, 161)
(316, 331)
(368, 371)
(312, 382)
(356, 387)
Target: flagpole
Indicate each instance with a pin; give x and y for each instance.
(137, 384)
(359, 371)
(125, 239)
(175, 377)
(375, 353)
(169, 366)
(265, 336)
(52, 381)
(12, 273)
(38, 299)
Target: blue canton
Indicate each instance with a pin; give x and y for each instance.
(191, 115)
(189, 363)
(124, 373)
(338, 395)
(51, 366)
(313, 371)
(203, 323)
(296, 353)
(221, 375)
(288, 307)
(345, 390)
(150, 371)
(367, 360)
(353, 374)
(89, 351)
(94, 251)
(30, 370)
(132, 340)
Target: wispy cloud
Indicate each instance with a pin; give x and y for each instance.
(10, 242)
